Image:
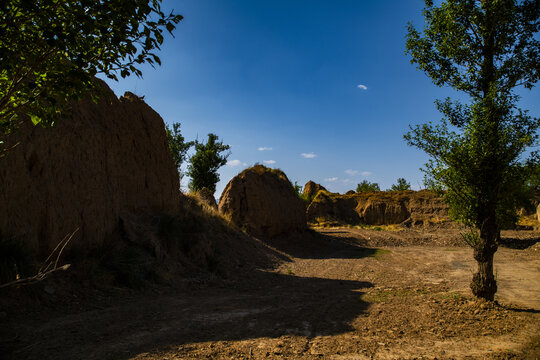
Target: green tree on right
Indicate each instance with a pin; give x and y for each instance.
(479, 152)
(401, 185)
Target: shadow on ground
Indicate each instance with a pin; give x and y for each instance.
(272, 306)
(316, 245)
(518, 244)
(255, 305)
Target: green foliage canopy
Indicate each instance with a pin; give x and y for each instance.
(205, 163)
(366, 186)
(178, 146)
(50, 51)
(484, 49)
(400, 185)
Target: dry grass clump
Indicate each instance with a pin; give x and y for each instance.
(261, 169)
(528, 221)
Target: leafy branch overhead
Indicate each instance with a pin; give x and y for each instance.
(50, 51)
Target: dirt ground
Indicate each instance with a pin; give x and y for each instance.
(339, 293)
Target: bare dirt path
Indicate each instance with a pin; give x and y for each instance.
(345, 294)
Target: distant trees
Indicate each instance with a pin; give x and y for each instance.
(204, 164)
(484, 49)
(401, 185)
(51, 50)
(366, 186)
(178, 146)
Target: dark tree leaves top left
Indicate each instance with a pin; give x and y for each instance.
(50, 51)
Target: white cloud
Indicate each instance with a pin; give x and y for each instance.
(263, 148)
(308, 155)
(269, 162)
(332, 179)
(366, 173)
(351, 172)
(348, 181)
(363, 87)
(236, 163)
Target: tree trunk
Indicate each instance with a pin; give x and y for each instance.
(483, 284)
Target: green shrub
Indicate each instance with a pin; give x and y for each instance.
(366, 186)
(401, 185)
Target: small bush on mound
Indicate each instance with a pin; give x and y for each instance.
(305, 197)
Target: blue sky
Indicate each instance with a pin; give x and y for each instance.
(279, 81)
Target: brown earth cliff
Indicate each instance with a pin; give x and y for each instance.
(264, 202)
(412, 208)
(105, 159)
(311, 189)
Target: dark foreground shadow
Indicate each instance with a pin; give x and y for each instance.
(315, 245)
(266, 305)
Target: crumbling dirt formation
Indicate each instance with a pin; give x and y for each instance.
(263, 201)
(105, 159)
(311, 189)
(413, 208)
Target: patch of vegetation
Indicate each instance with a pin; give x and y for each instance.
(204, 164)
(379, 253)
(366, 186)
(166, 247)
(177, 145)
(64, 45)
(307, 199)
(450, 296)
(528, 221)
(400, 185)
(261, 169)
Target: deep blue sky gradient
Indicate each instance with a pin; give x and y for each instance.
(284, 74)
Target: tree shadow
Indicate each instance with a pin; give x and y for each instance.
(518, 244)
(267, 305)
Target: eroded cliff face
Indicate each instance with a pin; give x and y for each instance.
(412, 208)
(263, 201)
(105, 159)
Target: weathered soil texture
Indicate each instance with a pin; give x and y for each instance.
(410, 208)
(264, 202)
(105, 159)
(311, 189)
(337, 293)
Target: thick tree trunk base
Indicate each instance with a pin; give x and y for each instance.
(483, 284)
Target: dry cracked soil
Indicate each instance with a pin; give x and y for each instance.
(346, 293)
